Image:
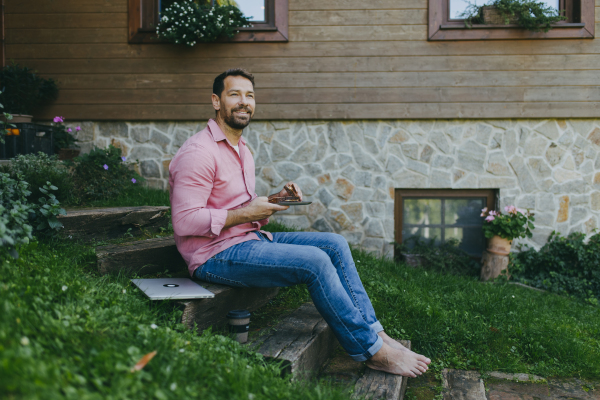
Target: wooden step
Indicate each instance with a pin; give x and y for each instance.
(377, 385)
(141, 257)
(463, 385)
(302, 341)
(110, 223)
(202, 313)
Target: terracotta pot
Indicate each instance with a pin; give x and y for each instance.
(68, 154)
(19, 118)
(497, 245)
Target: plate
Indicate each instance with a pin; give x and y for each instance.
(294, 203)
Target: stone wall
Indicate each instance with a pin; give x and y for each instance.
(349, 169)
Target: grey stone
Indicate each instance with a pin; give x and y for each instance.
(344, 159)
(562, 175)
(468, 182)
(349, 172)
(371, 128)
(141, 134)
(330, 163)
(325, 197)
(294, 221)
(113, 129)
(373, 244)
(536, 146)
(180, 136)
(497, 164)
(577, 187)
(523, 133)
(539, 168)
(544, 219)
(578, 200)
(364, 160)
(545, 202)
(408, 180)
(464, 385)
(526, 181)
(426, 153)
(486, 182)
(576, 228)
(263, 157)
(160, 139)
(374, 228)
(380, 195)
(149, 169)
(375, 209)
(526, 202)
(393, 164)
(566, 140)
(308, 185)
(455, 133)
(380, 182)
(578, 214)
(549, 129)
(484, 132)
(155, 183)
(271, 176)
(496, 142)
(371, 146)
(280, 151)
(299, 138)
(321, 147)
(440, 161)
(262, 189)
(144, 153)
(354, 238)
(363, 178)
(305, 153)
(441, 179)
(361, 194)
(322, 225)
(289, 171)
(554, 154)
(471, 157)
(385, 131)
(280, 125)
(582, 143)
(355, 133)
(337, 137)
(411, 150)
(510, 142)
(440, 141)
(313, 169)
(418, 166)
(540, 235)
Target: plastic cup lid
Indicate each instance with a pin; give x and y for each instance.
(238, 314)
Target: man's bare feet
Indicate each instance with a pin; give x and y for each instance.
(397, 345)
(398, 362)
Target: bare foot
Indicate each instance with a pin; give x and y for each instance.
(397, 345)
(398, 362)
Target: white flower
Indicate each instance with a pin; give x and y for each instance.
(181, 350)
(124, 291)
(210, 13)
(173, 386)
(231, 21)
(153, 326)
(165, 18)
(250, 396)
(64, 288)
(231, 12)
(513, 297)
(184, 36)
(25, 341)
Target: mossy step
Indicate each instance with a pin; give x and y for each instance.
(109, 223)
(302, 341)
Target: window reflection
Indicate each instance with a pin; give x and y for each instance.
(457, 7)
(253, 9)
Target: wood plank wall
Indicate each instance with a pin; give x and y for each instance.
(346, 59)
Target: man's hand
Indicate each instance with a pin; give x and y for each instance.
(284, 192)
(257, 210)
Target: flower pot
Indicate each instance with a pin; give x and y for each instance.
(18, 118)
(493, 16)
(68, 154)
(499, 246)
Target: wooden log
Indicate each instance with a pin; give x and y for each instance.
(108, 223)
(493, 265)
(141, 257)
(378, 385)
(199, 314)
(303, 341)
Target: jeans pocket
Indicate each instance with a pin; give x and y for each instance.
(212, 278)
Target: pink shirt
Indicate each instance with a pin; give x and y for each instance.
(207, 177)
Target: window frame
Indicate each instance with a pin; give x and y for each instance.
(491, 196)
(143, 15)
(441, 28)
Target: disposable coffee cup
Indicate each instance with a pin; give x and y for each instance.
(239, 324)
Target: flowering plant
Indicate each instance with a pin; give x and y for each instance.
(187, 22)
(63, 138)
(513, 223)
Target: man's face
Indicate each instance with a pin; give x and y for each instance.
(236, 104)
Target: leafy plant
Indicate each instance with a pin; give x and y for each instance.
(188, 23)
(101, 174)
(566, 265)
(532, 15)
(23, 91)
(63, 138)
(49, 209)
(515, 223)
(4, 123)
(14, 214)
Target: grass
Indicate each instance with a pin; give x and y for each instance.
(135, 196)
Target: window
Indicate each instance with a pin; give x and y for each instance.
(445, 22)
(443, 214)
(270, 20)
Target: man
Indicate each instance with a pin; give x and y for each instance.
(217, 219)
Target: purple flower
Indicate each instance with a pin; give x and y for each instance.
(490, 218)
(77, 128)
(105, 166)
(124, 159)
(59, 119)
(133, 180)
(69, 130)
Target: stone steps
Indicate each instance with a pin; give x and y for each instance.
(302, 342)
(377, 385)
(109, 223)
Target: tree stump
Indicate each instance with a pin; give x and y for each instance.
(493, 265)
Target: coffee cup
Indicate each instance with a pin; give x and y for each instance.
(239, 324)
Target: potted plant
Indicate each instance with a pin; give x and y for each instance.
(24, 91)
(501, 228)
(532, 15)
(64, 141)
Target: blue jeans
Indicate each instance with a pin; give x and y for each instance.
(323, 262)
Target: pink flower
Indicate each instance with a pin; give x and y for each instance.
(69, 130)
(105, 166)
(77, 128)
(490, 218)
(59, 119)
(510, 209)
(483, 211)
(133, 180)
(521, 211)
(492, 213)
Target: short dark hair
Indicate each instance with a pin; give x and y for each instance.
(219, 85)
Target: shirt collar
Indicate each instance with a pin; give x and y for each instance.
(218, 134)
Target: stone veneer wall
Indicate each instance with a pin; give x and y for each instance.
(349, 169)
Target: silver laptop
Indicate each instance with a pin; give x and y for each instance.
(172, 288)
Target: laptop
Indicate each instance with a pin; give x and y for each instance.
(172, 288)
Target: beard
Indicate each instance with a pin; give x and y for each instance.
(237, 122)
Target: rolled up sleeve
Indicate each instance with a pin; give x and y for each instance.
(193, 178)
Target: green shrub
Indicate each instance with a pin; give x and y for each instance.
(24, 91)
(14, 214)
(565, 265)
(102, 174)
(37, 169)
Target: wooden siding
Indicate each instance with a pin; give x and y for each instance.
(346, 59)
